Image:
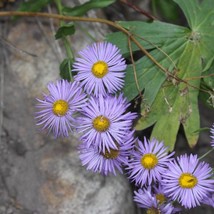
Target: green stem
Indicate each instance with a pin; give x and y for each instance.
(68, 49)
(59, 6)
(204, 155)
(67, 45)
(154, 8)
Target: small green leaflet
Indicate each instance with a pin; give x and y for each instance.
(65, 30)
(65, 69)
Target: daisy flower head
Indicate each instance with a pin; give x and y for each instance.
(209, 200)
(212, 135)
(148, 163)
(163, 199)
(57, 109)
(160, 194)
(107, 162)
(145, 199)
(187, 180)
(104, 121)
(100, 69)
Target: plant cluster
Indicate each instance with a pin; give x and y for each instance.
(94, 106)
(173, 71)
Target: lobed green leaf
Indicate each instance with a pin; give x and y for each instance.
(186, 53)
(200, 17)
(175, 105)
(149, 34)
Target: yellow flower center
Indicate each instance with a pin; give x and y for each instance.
(161, 198)
(60, 107)
(149, 161)
(188, 180)
(101, 123)
(100, 69)
(112, 154)
(153, 211)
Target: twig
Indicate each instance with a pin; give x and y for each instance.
(139, 10)
(10, 45)
(41, 27)
(200, 77)
(58, 48)
(134, 67)
(104, 21)
(85, 19)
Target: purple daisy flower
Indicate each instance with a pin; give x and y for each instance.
(168, 209)
(109, 161)
(209, 200)
(105, 121)
(145, 199)
(148, 163)
(212, 135)
(99, 69)
(188, 180)
(160, 194)
(57, 109)
(163, 199)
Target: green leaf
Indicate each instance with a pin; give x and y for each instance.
(162, 106)
(186, 53)
(168, 102)
(176, 105)
(208, 85)
(168, 41)
(33, 6)
(167, 9)
(65, 69)
(65, 30)
(190, 65)
(209, 77)
(150, 77)
(149, 35)
(206, 129)
(190, 10)
(84, 8)
(165, 123)
(200, 17)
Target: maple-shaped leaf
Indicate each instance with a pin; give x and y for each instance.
(170, 96)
